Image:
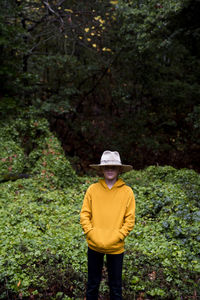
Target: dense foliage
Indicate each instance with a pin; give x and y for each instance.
(28, 148)
(129, 69)
(121, 75)
(42, 246)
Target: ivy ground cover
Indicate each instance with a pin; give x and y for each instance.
(43, 250)
(42, 247)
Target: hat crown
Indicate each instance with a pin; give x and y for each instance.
(110, 158)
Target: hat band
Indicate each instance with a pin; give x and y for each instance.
(112, 162)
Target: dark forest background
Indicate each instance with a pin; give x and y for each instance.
(117, 75)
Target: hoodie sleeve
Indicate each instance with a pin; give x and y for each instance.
(129, 217)
(86, 213)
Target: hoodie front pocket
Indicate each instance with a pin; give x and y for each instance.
(95, 238)
(104, 239)
(112, 239)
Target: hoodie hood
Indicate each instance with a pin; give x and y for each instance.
(119, 183)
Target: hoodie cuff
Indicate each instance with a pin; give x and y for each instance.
(86, 233)
(121, 236)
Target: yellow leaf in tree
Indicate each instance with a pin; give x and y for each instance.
(80, 37)
(92, 33)
(87, 29)
(89, 40)
(106, 49)
(114, 2)
(101, 21)
(94, 45)
(69, 10)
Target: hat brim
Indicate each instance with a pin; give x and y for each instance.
(123, 168)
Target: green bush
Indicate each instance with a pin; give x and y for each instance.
(28, 146)
(50, 163)
(43, 249)
(41, 240)
(163, 249)
(12, 158)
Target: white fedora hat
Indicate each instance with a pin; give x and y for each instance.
(111, 158)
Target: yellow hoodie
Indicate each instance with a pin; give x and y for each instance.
(107, 216)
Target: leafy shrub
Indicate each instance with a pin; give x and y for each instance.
(163, 249)
(43, 249)
(52, 164)
(40, 240)
(149, 174)
(12, 158)
(28, 146)
(166, 174)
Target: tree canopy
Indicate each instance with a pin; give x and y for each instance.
(121, 75)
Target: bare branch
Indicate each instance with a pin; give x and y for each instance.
(55, 13)
(49, 8)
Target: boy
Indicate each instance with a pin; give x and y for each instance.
(107, 216)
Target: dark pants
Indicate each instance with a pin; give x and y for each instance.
(114, 267)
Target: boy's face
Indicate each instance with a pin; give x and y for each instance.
(111, 172)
